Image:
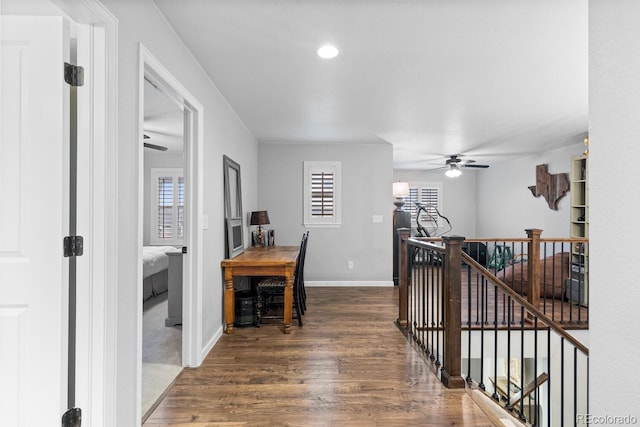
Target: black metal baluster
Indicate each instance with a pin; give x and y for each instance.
(495, 351)
(469, 376)
(575, 386)
(478, 297)
(561, 381)
(535, 371)
(432, 318)
(414, 284)
(522, 382)
(440, 316)
(431, 280)
(544, 285)
(549, 374)
(419, 298)
(509, 322)
(581, 287)
(481, 294)
(587, 361)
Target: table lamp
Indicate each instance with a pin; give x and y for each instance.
(259, 218)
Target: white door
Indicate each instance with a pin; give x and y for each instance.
(33, 220)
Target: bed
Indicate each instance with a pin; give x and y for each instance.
(155, 270)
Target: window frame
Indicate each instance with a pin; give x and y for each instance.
(314, 167)
(176, 174)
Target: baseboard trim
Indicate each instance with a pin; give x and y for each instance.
(342, 283)
(207, 348)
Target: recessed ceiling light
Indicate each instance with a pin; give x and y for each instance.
(328, 51)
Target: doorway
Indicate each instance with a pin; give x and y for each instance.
(169, 179)
(163, 219)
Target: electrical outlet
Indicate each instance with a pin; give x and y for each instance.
(350, 265)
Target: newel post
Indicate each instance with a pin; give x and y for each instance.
(403, 273)
(533, 266)
(451, 373)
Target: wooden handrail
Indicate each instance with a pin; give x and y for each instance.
(528, 389)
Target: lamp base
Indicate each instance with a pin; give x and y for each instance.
(399, 204)
(260, 237)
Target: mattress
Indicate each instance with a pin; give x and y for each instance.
(155, 259)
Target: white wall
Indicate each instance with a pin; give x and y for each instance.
(458, 197)
(614, 128)
(366, 191)
(140, 22)
(506, 206)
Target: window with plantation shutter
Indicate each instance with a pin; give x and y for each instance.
(428, 194)
(167, 207)
(322, 194)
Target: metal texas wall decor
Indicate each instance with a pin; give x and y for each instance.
(551, 186)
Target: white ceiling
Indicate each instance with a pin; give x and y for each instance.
(163, 119)
(489, 79)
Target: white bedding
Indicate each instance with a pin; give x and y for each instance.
(154, 259)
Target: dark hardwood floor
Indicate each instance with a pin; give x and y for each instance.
(349, 365)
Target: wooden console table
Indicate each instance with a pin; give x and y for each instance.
(260, 261)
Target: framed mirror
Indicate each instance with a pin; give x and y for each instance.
(233, 207)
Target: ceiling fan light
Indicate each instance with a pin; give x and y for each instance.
(328, 52)
(453, 171)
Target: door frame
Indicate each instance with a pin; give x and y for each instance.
(96, 386)
(151, 67)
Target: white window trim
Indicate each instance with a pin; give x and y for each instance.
(311, 167)
(155, 173)
(428, 184)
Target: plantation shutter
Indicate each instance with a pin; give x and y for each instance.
(164, 222)
(168, 206)
(428, 195)
(429, 198)
(322, 194)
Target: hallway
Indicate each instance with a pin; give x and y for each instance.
(348, 365)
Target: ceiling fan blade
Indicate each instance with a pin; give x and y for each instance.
(475, 166)
(154, 146)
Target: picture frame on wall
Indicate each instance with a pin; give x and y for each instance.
(233, 207)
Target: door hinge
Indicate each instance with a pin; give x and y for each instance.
(184, 249)
(73, 74)
(73, 246)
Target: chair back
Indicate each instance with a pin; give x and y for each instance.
(300, 261)
(303, 255)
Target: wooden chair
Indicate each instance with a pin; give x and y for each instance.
(270, 289)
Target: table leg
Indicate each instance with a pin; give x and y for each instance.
(288, 302)
(229, 301)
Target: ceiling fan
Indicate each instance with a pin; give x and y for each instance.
(454, 163)
(153, 146)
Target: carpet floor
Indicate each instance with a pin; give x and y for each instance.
(161, 352)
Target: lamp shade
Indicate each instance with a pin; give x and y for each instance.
(259, 218)
(400, 189)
